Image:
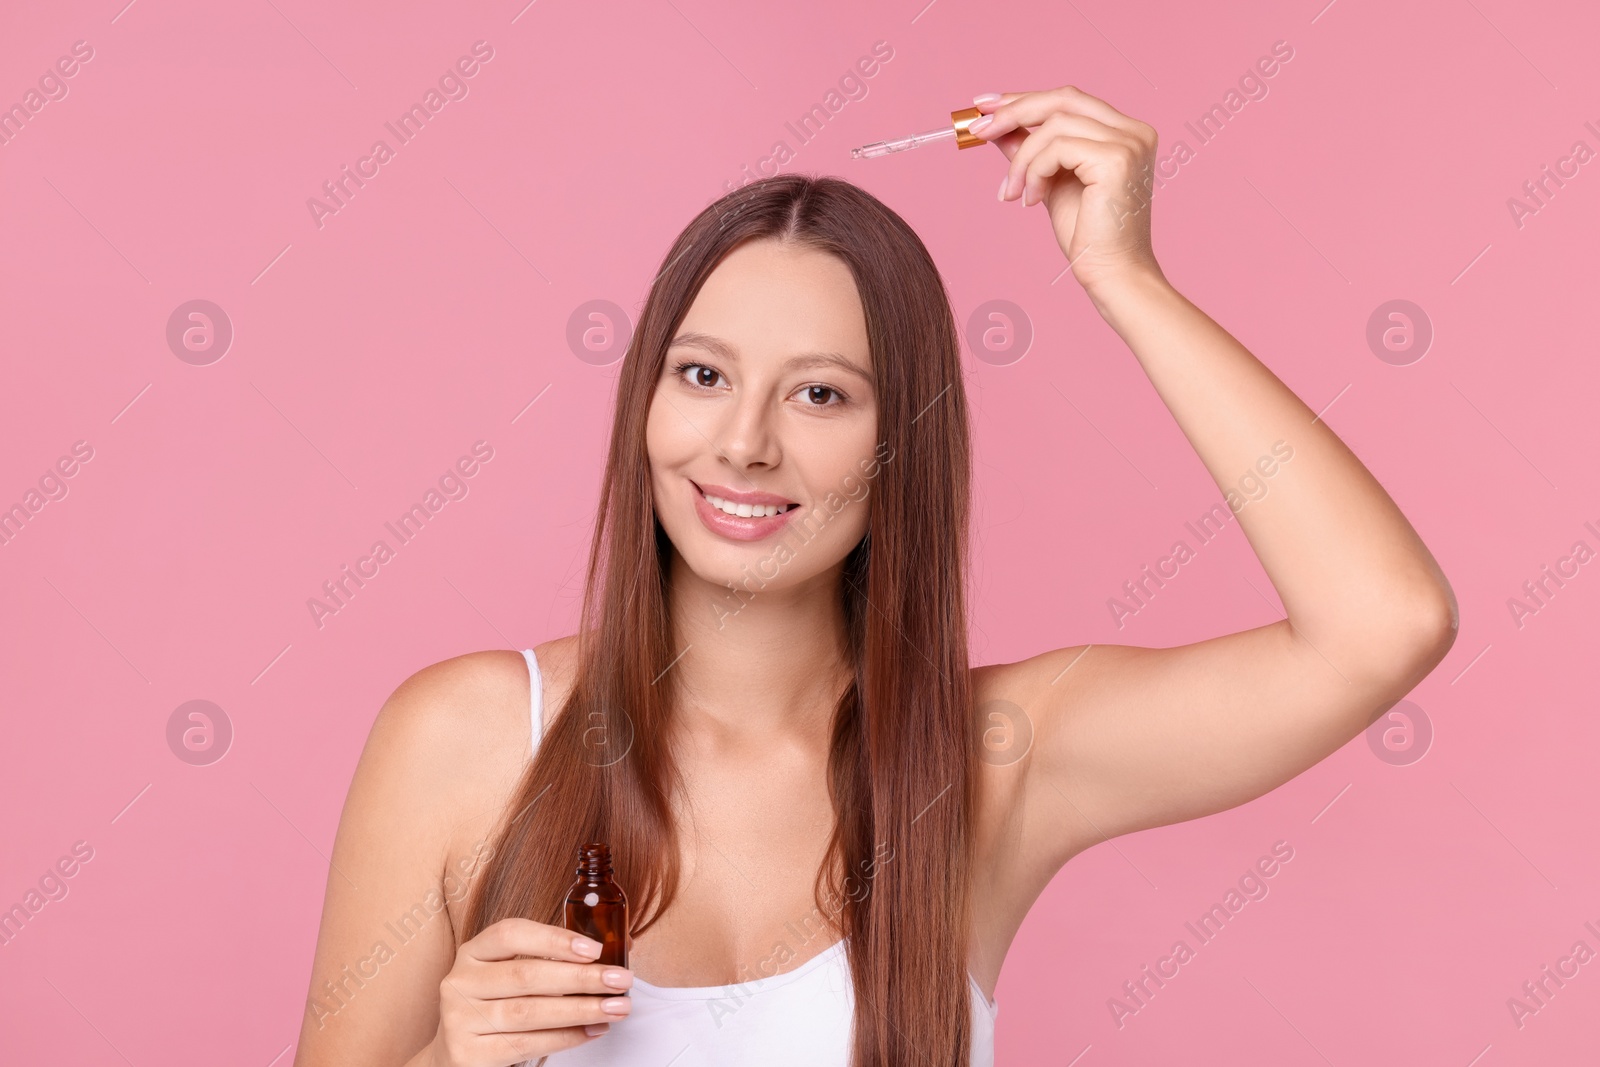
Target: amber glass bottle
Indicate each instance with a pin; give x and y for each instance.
(596, 906)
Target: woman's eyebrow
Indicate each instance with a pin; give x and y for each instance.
(717, 346)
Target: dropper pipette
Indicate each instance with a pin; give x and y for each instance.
(959, 121)
(903, 144)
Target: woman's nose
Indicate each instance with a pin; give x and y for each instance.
(746, 436)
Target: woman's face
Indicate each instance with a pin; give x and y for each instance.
(765, 403)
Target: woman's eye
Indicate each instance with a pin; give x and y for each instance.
(701, 375)
(818, 395)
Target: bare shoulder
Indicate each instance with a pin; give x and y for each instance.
(1013, 704)
(463, 708)
(455, 735)
(470, 716)
(1047, 721)
(461, 730)
(1021, 682)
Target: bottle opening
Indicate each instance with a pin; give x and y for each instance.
(594, 859)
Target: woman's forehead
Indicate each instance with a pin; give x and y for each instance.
(773, 302)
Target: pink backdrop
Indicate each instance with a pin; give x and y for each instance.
(372, 347)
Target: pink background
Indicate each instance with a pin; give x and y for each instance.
(370, 353)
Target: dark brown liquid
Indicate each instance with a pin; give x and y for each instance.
(596, 906)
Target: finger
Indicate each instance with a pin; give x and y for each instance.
(1021, 110)
(1032, 179)
(990, 107)
(1088, 158)
(1057, 125)
(1034, 107)
(1041, 169)
(1103, 164)
(511, 1015)
(539, 977)
(528, 1046)
(1009, 142)
(510, 938)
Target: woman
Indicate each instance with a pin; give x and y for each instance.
(768, 711)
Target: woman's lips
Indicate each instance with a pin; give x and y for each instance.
(738, 527)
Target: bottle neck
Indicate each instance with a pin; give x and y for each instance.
(594, 862)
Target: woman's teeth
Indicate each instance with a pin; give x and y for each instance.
(747, 510)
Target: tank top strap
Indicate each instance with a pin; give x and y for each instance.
(536, 699)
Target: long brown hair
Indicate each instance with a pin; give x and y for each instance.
(901, 761)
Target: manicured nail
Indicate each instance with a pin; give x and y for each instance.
(583, 946)
(617, 979)
(986, 98)
(979, 123)
(1004, 181)
(616, 1005)
(596, 1029)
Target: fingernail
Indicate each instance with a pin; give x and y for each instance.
(596, 1029)
(616, 1005)
(979, 123)
(617, 979)
(986, 98)
(1004, 181)
(585, 947)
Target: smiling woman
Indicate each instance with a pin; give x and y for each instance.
(754, 381)
(807, 793)
(736, 402)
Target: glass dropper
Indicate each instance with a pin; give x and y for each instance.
(956, 131)
(903, 144)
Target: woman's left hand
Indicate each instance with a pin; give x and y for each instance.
(1091, 166)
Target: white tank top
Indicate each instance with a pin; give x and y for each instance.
(799, 1018)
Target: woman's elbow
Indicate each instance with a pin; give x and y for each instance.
(1404, 639)
(1437, 621)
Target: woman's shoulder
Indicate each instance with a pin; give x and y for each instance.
(461, 730)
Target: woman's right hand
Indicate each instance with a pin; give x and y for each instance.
(496, 1009)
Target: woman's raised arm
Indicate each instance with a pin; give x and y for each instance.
(1127, 738)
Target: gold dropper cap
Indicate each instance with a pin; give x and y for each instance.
(965, 117)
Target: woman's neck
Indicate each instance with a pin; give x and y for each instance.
(759, 666)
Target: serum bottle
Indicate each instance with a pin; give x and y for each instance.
(596, 906)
